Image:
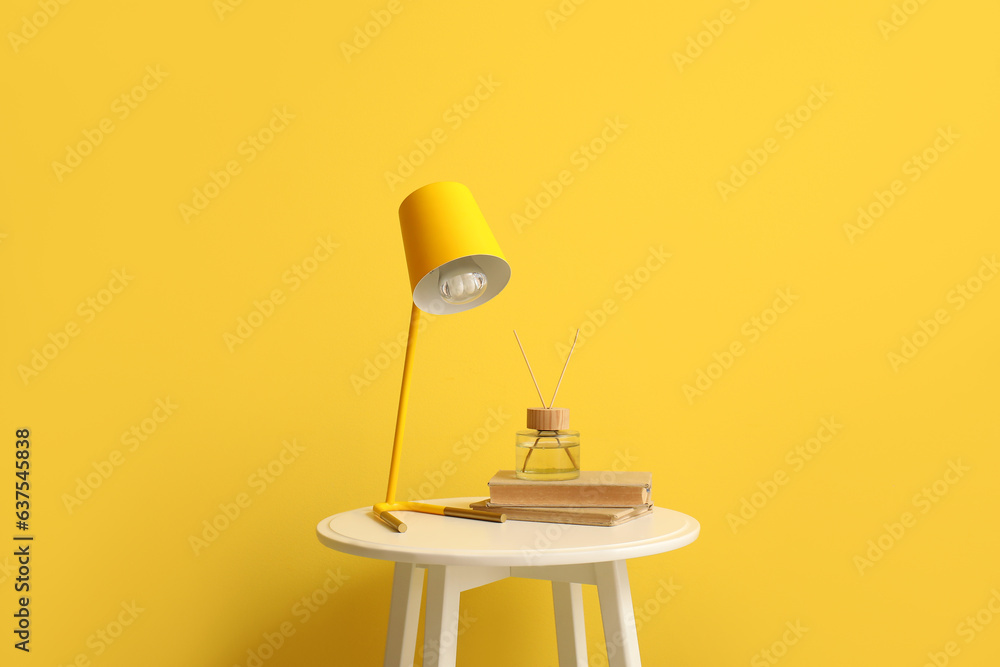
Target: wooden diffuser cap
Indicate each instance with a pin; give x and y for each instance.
(548, 419)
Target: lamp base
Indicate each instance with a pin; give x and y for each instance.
(382, 512)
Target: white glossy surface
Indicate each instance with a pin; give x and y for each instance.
(439, 540)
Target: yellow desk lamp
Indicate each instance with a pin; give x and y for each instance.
(455, 264)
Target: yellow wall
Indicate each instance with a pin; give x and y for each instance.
(827, 106)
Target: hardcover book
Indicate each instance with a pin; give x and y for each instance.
(584, 516)
(593, 488)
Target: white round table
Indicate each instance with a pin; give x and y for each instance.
(460, 554)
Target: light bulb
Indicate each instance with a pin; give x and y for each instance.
(462, 282)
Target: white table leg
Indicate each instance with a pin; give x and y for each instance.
(571, 636)
(404, 615)
(441, 617)
(445, 584)
(616, 612)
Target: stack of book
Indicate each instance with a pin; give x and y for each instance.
(595, 498)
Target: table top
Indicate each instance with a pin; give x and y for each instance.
(438, 540)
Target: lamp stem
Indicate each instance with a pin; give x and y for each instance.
(404, 396)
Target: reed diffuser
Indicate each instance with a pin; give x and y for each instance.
(547, 450)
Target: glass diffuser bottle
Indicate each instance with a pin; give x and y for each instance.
(547, 449)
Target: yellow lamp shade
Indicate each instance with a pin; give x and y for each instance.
(446, 240)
